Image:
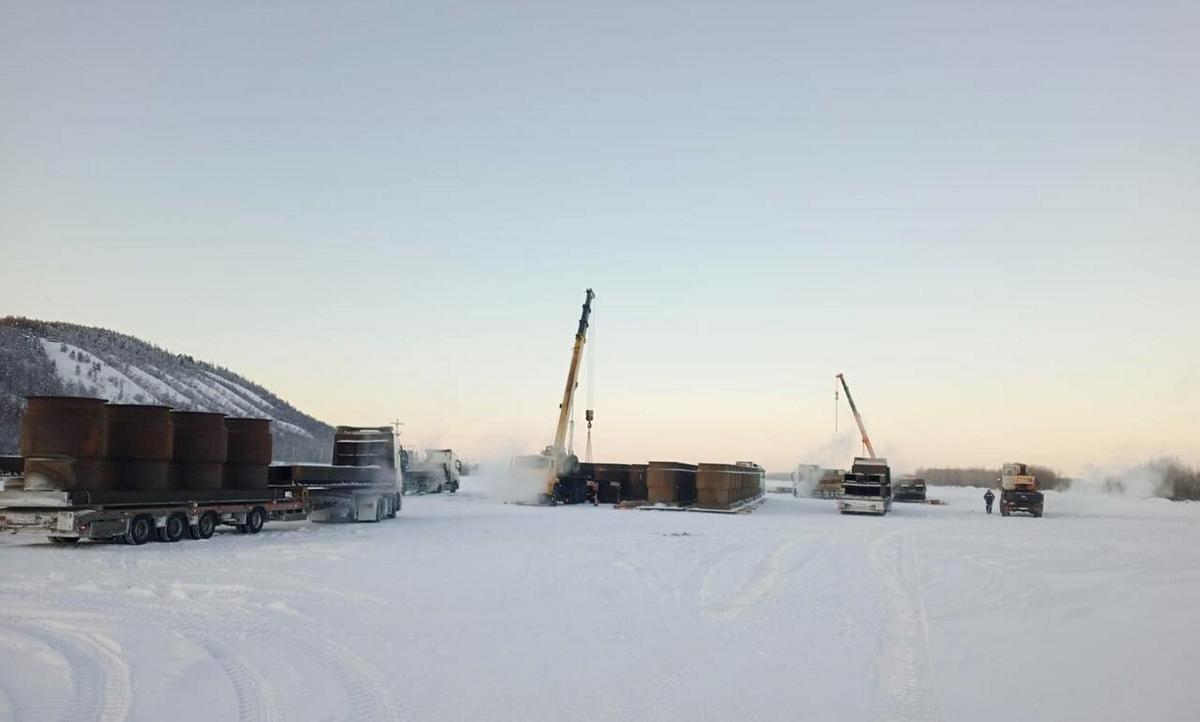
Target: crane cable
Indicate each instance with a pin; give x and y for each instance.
(591, 391)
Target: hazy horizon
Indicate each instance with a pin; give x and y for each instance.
(984, 215)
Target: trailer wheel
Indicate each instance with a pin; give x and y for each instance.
(173, 530)
(255, 518)
(207, 524)
(63, 539)
(139, 531)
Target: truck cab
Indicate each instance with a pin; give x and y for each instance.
(867, 488)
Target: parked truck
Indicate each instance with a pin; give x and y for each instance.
(129, 473)
(438, 472)
(910, 489)
(1019, 491)
(867, 488)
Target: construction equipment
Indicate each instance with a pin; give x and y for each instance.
(910, 489)
(867, 489)
(1019, 491)
(437, 473)
(555, 464)
(866, 440)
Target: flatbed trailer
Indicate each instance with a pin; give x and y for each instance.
(138, 517)
(135, 517)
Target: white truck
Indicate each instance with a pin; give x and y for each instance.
(439, 471)
(867, 489)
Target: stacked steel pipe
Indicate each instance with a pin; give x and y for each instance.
(249, 454)
(634, 487)
(610, 480)
(670, 482)
(141, 444)
(201, 448)
(721, 486)
(63, 440)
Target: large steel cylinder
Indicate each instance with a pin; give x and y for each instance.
(249, 453)
(201, 447)
(63, 440)
(670, 481)
(141, 443)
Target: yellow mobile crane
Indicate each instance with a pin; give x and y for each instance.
(867, 489)
(555, 462)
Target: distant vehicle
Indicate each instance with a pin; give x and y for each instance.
(1019, 491)
(440, 471)
(909, 489)
(867, 489)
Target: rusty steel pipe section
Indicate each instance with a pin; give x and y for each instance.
(670, 482)
(63, 440)
(141, 443)
(248, 454)
(201, 448)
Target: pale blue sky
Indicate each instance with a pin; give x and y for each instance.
(984, 213)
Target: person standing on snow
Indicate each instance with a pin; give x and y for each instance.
(988, 498)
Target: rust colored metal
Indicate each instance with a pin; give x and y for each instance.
(249, 441)
(63, 440)
(64, 426)
(636, 488)
(200, 437)
(201, 447)
(141, 441)
(249, 453)
(670, 481)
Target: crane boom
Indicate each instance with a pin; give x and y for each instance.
(858, 418)
(568, 398)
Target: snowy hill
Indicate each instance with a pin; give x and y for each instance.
(42, 357)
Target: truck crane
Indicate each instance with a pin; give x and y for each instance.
(866, 440)
(557, 465)
(867, 489)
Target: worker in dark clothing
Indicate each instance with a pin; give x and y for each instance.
(988, 498)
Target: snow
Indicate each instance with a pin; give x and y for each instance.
(113, 384)
(210, 390)
(469, 608)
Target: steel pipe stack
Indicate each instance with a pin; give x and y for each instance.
(201, 448)
(720, 486)
(634, 488)
(249, 454)
(63, 440)
(141, 443)
(610, 480)
(670, 482)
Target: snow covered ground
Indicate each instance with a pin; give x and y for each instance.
(468, 608)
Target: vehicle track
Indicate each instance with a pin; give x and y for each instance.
(256, 698)
(904, 674)
(100, 681)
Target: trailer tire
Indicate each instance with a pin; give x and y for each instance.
(204, 527)
(173, 530)
(255, 518)
(140, 529)
(63, 539)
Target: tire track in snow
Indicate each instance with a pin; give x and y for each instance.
(770, 576)
(256, 698)
(366, 688)
(100, 682)
(904, 673)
